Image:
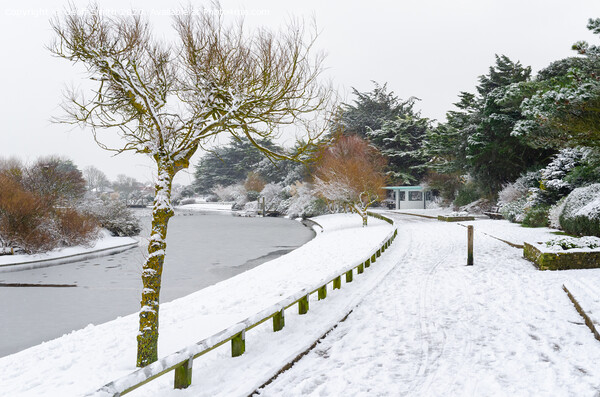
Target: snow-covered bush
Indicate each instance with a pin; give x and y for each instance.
(467, 193)
(581, 212)
(302, 202)
(514, 211)
(273, 195)
(76, 228)
(554, 184)
(187, 201)
(512, 192)
(516, 198)
(30, 223)
(536, 216)
(567, 243)
(236, 193)
(251, 208)
(113, 215)
(476, 207)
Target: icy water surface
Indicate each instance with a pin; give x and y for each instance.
(202, 249)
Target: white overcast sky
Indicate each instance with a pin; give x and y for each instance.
(430, 49)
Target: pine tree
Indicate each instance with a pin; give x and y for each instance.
(565, 110)
(400, 141)
(370, 111)
(479, 134)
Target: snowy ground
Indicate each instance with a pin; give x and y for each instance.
(86, 359)
(435, 327)
(219, 207)
(105, 245)
(423, 324)
(511, 232)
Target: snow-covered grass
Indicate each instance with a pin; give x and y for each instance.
(106, 244)
(511, 232)
(86, 359)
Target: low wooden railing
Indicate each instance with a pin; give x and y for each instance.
(181, 361)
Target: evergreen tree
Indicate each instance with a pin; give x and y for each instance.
(369, 111)
(565, 110)
(231, 164)
(400, 141)
(445, 146)
(478, 136)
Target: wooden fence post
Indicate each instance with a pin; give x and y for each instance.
(238, 344)
(360, 269)
(279, 321)
(470, 245)
(374, 258)
(323, 292)
(303, 305)
(349, 276)
(183, 374)
(368, 263)
(337, 282)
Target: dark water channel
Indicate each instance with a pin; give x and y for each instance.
(202, 249)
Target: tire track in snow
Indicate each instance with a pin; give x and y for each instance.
(441, 355)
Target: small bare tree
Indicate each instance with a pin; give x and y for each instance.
(167, 101)
(96, 179)
(350, 173)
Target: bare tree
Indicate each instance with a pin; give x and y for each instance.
(350, 173)
(95, 178)
(168, 101)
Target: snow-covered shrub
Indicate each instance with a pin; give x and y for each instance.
(536, 216)
(515, 210)
(581, 212)
(273, 195)
(434, 203)
(567, 243)
(251, 208)
(513, 192)
(477, 207)
(303, 202)
(211, 198)
(554, 184)
(76, 228)
(236, 193)
(113, 215)
(187, 201)
(554, 213)
(467, 193)
(25, 220)
(516, 198)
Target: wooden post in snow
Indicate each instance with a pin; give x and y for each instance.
(470, 245)
(183, 374)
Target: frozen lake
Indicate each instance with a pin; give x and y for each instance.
(202, 249)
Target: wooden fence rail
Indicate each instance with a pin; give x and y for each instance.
(181, 361)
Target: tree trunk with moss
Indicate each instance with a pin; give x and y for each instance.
(152, 269)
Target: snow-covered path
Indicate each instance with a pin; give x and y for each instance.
(436, 327)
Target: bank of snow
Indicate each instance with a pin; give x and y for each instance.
(84, 360)
(214, 207)
(105, 245)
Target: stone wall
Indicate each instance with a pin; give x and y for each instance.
(561, 260)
